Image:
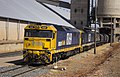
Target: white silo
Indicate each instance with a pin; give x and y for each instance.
(109, 13)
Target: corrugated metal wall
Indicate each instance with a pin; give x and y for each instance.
(2, 29)
(11, 29)
(22, 26)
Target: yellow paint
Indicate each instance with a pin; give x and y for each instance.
(63, 42)
(65, 49)
(81, 48)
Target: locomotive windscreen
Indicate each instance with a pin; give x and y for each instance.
(38, 33)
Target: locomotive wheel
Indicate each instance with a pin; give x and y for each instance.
(44, 59)
(27, 59)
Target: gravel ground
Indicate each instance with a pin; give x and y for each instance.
(3, 69)
(26, 71)
(110, 68)
(84, 64)
(36, 72)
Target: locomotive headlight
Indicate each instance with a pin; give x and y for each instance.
(27, 44)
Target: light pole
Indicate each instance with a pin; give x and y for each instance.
(111, 33)
(95, 26)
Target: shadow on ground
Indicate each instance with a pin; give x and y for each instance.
(17, 62)
(11, 54)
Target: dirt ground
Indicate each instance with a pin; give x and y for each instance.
(110, 68)
(105, 63)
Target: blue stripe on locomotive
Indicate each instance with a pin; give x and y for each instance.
(62, 38)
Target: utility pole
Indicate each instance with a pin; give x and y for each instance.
(111, 33)
(95, 26)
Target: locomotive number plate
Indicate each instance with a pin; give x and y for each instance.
(37, 44)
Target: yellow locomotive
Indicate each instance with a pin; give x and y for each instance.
(44, 42)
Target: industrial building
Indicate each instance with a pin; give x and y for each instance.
(108, 13)
(79, 13)
(109, 16)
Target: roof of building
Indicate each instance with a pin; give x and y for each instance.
(62, 11)
(69, 1)
(30, 10)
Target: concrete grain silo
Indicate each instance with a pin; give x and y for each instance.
(109, 13)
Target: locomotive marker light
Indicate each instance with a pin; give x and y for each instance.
(44, 27)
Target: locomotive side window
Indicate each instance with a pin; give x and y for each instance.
(38, 33)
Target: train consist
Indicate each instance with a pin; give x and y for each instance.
(88, 38)
(45, 43)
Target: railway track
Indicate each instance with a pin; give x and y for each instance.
(19, 71)
(11, 69)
